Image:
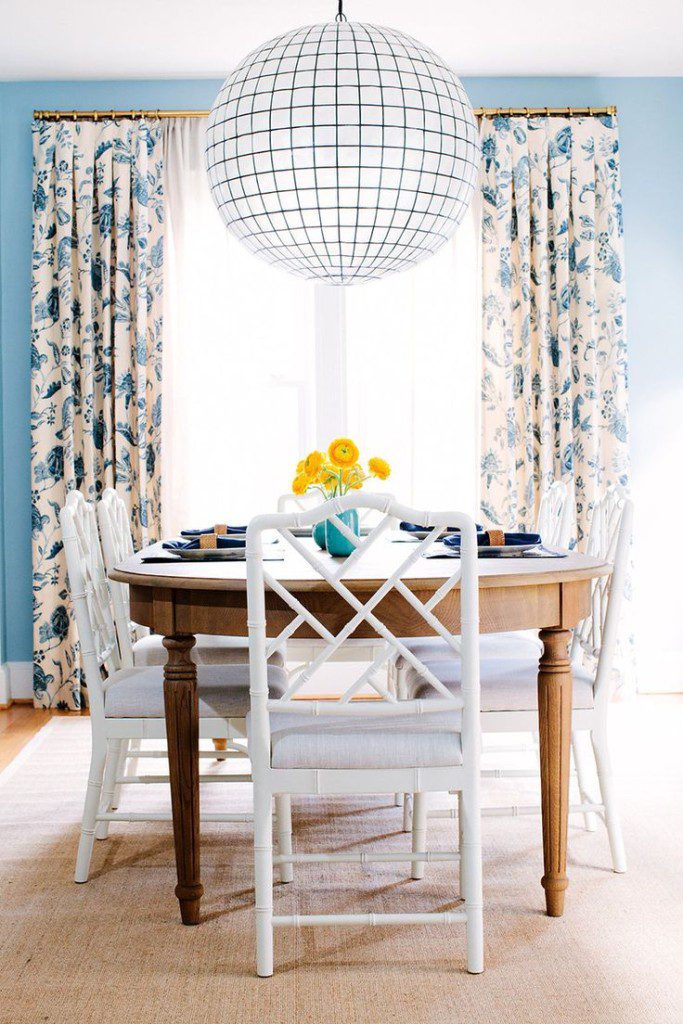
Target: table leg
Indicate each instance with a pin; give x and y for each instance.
(555, 727)
(182, 730)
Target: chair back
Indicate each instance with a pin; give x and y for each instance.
(313, 499)
(90, 596)
(339, 576)
(117, 545)
(609, 540)
(554, 522)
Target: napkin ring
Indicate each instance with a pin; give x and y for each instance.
(220, 529)
(496, 538)
(208, 540)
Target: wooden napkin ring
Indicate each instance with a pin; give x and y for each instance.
(496, 538)
(208, 540)
(220, 529)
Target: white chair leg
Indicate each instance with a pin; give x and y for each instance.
(396, 684)
(470, 853)
(111, 770)
(283, 814)
(604, 767)
(263, 879)
(581, 765)
(461, 865)
(93, 794)
(419, 833)
(123, 761)
(407, 812)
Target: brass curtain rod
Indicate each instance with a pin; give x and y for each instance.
(118, 115)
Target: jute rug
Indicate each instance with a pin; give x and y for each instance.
(114, 951)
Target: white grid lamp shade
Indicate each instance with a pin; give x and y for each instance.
(342, 152)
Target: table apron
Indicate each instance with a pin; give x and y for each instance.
(171, 611)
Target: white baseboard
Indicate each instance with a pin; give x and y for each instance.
(16, 681)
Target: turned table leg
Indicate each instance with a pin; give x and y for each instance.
(555, 727)
(182, 729)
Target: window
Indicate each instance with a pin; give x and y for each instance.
(261, 366)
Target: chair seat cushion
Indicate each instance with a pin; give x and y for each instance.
(407, 741)
(223, 691)
(507, 684)
(491, 645)
(209, 650)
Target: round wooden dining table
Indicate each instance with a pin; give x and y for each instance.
(181, 599)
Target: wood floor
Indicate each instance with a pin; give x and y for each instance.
(18, 724)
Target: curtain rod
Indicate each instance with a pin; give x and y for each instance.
(117, 115)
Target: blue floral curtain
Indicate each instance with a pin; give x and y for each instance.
(96, 332)
(554, 385)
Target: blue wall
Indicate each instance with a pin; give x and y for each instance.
(652, 157)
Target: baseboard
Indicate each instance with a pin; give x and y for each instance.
(16, 683)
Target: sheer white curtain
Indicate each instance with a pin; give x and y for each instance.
(413, 359)
(238, 358)
(243, 353)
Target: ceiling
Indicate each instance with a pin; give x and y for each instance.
(44, 39)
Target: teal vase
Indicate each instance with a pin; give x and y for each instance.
(335, 542)
(319, 534)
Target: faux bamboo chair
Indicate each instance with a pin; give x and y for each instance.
(136, 645)
(554, 524)
(556, 516)
(129, 704)
(364, 746)
(509, 690)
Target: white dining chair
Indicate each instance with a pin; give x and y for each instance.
(129, 704)
(509, 683)
(555, 519)
(136, 645)
(554, 524)
(356, 745)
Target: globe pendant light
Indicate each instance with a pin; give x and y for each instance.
(342, 152)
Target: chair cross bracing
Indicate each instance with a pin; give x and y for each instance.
(508, 684)
(299, 652)
(126, 702)
(360, 742)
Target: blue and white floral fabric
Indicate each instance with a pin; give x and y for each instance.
(554, 384)
(96, 329)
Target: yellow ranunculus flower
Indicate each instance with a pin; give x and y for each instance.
(300, 466)
(313, 464)
(343, 452)
(326, 475)
(300, 484)
(379, 468)
(353, 477)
